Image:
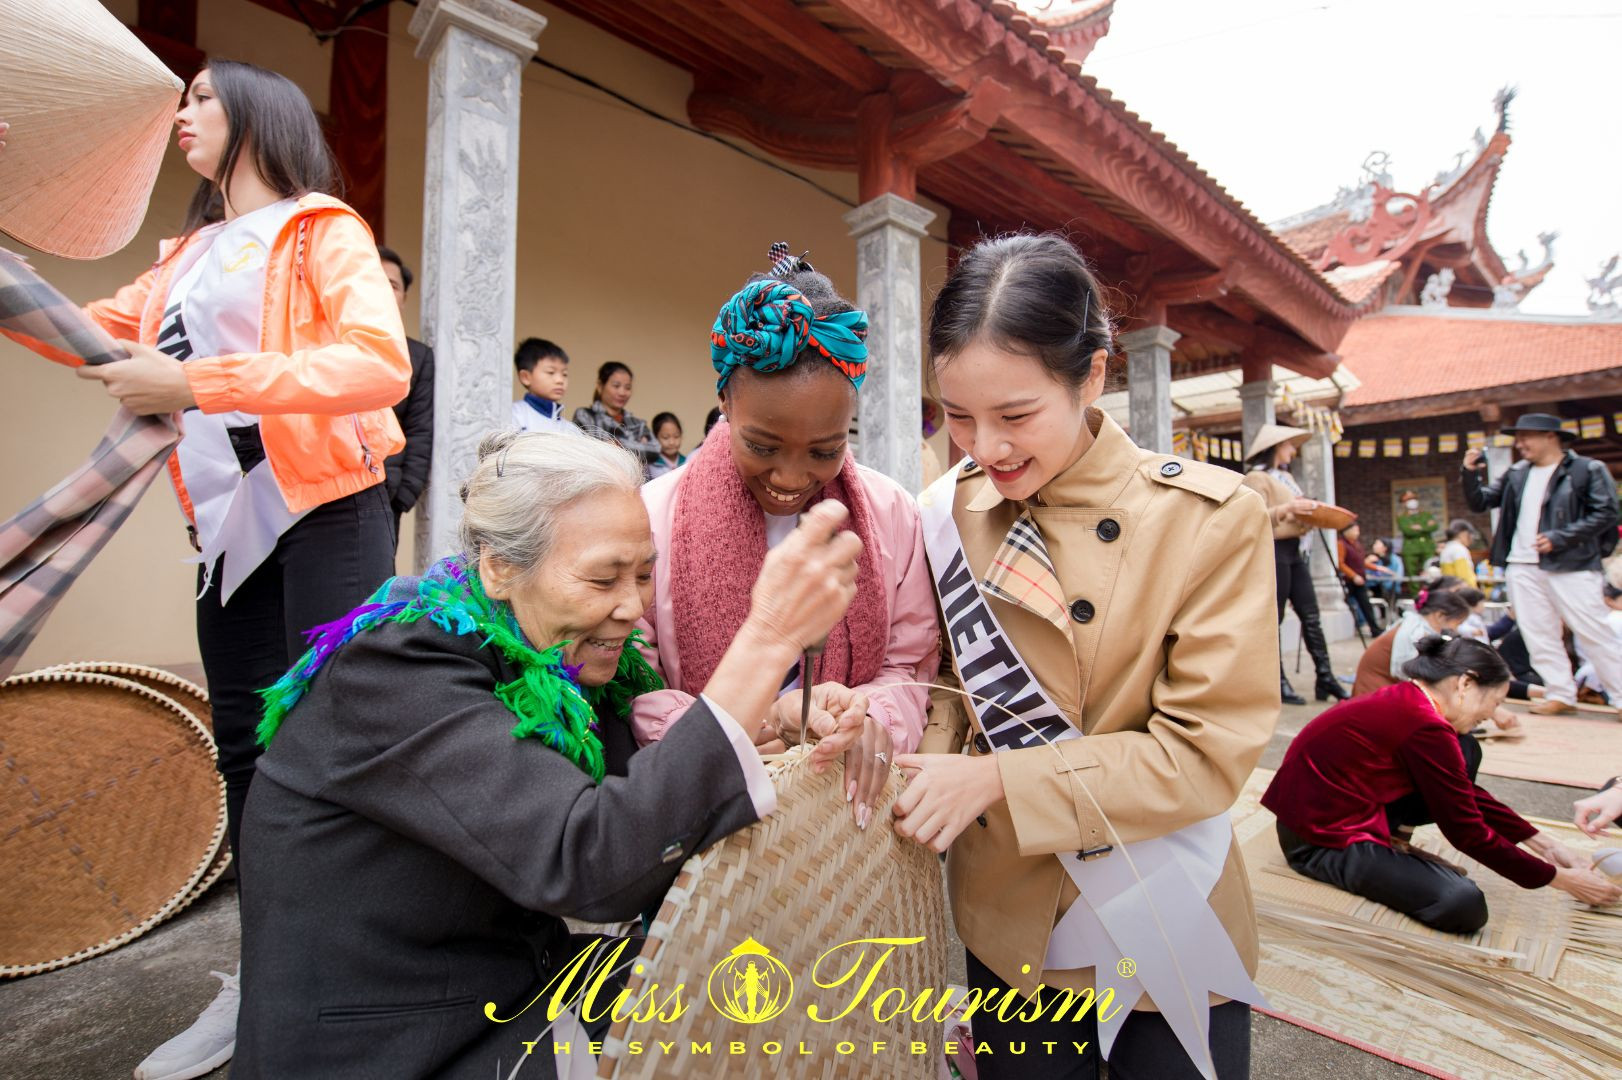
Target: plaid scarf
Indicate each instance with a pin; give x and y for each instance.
(46, 546)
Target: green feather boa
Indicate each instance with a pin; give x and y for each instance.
(547, 697)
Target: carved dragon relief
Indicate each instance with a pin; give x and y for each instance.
(1508, 293)
(1603, 301)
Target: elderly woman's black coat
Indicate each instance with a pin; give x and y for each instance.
(406, 860)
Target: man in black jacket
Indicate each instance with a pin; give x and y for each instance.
(406, 473)
(1557, 518)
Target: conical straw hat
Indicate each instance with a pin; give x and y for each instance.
(1271, 435)
(90, 110)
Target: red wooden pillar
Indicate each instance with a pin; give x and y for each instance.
(169, 29)
(358, 113)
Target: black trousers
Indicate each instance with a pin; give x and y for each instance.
(1145, 1049)
(1294, 581)
(1419, 888)
(326, 564)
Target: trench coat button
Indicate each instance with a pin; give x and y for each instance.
(981, 744)
(1109, 529)
(671, 853)
(1170, 468)
(1082, 611)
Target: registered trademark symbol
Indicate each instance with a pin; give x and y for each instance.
(1127, 968)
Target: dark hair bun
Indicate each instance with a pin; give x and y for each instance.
(1434, 645)
(1441, 658)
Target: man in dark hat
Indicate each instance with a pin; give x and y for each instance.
(1557, 518)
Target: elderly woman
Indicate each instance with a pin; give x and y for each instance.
(1358, 779)
(450, 772)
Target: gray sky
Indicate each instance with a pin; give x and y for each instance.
(1280, 100)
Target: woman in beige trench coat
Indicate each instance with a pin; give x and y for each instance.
(1136, 589)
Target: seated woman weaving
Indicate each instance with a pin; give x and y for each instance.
(451, 771)
(1357, 779)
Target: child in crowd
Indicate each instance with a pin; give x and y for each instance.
(543, 371)
(1456, 559)
(1384, 568)
(667, 429)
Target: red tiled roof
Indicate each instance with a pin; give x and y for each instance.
(1050, 66)
(1358, 283)
(1309, 238)
(1400, 357)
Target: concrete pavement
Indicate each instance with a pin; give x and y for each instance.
(97, 1019)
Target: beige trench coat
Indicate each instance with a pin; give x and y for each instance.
(1173, 680)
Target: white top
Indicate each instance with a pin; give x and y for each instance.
(1405, 646)
(214, 308)
(527, 417)
(778, 528)
(1526, 524)
(1453, 551)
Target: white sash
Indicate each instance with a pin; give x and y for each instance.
(1165, 915)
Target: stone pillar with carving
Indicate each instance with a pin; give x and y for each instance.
(1315, 472)
(1256, 406)
(476, 51)
(890, 421)
(1148, 385)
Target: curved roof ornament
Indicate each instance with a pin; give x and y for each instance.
(1395, 222)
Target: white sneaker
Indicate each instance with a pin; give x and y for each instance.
(203, 1047)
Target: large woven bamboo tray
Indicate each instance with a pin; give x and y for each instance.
(111, 815)
(189, 696)
(798, 884)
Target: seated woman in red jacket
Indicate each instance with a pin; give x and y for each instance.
(1366, 771)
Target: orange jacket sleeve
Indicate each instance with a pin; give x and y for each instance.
(363, 364)
(120, 314)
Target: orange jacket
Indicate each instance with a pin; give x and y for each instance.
(334, 357)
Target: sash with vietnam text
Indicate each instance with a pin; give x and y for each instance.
(1160, 916)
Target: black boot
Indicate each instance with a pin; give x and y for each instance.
(1328, 687)
(1286, 691)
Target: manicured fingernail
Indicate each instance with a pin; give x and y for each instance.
(850, 791)
(861, 817)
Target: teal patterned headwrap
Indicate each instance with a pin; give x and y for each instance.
(768, 323)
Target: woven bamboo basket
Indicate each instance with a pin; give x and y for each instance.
(799, 883)
(189, 696)
(111, 815)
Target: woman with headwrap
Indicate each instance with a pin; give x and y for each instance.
(790, 355)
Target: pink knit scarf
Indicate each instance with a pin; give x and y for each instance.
(717, 547)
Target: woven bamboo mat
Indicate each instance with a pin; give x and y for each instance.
(1580, 749)
(1536, 993)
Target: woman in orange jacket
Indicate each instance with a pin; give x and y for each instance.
(270, 326)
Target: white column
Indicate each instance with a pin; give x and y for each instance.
(1315, 472)
(1148, 385)
(476, 50)
(1256, 403)
(889, 414)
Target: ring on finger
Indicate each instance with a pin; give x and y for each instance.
(884, 759)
